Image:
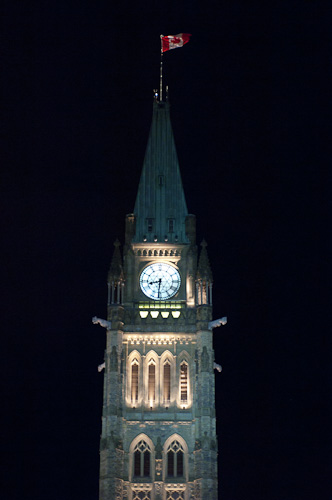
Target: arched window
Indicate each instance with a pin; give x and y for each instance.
(152, 382)
(184, 382)
(142, 460)
(175, 460)
(134, 381)
(167, 381)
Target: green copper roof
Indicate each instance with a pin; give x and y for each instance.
(160, 207)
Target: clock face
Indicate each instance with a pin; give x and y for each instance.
(160, 281)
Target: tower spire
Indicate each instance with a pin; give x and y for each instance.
(160, 207)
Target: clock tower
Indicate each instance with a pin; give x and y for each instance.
(158, 438)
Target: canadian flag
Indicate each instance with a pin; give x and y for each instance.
(170, 42)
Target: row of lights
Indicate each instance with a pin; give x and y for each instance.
(155, 238)
(184, 406)
(155, 314)
(160, 342)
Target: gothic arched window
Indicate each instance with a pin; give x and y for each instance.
(175, 460)
(184, 382)
(142, 460)
(167, 381)
(134, 381)
(152, 382)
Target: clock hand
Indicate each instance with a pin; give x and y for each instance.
(159, 287)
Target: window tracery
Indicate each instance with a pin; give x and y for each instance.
(158, 380)
(152, 382)
(141, 494)
(167, 382)
(184, 383)
(175, 494)
(151, 377)
(142, 460)
(175, 460)
(134, 377)
(134, 381)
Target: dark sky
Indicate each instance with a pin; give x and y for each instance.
(251, 113)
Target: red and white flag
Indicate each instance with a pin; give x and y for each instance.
(170, 42)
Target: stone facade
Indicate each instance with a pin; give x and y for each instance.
(158, 439)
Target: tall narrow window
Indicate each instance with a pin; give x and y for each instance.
(146, 464)
(167, 382)
(184, 382)
(142, 461)
(137, 463)
(170, 225)
(134, 381)
(175, 460)
(152, 383)
(179, 463)
(170, 463)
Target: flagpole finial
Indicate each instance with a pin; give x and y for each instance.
(170, 42)
(161, 69)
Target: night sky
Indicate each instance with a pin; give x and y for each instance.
(251, 114)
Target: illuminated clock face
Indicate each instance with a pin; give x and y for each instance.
(160, 281)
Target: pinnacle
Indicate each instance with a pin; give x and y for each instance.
(204, 270)
(116, 271)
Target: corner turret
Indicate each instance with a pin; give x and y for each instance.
(204, 278)
(115, 278)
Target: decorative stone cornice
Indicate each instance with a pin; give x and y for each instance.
(155, 339)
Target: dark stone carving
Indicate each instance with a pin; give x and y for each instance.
(159, 449)
(205, 360)
(114, 359)
(103, 444)
(205, 441)
(128, 317)
(196, 361)
(204, 313)
(119, 444)
(108, 443)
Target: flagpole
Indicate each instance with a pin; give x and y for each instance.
(161, 69)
